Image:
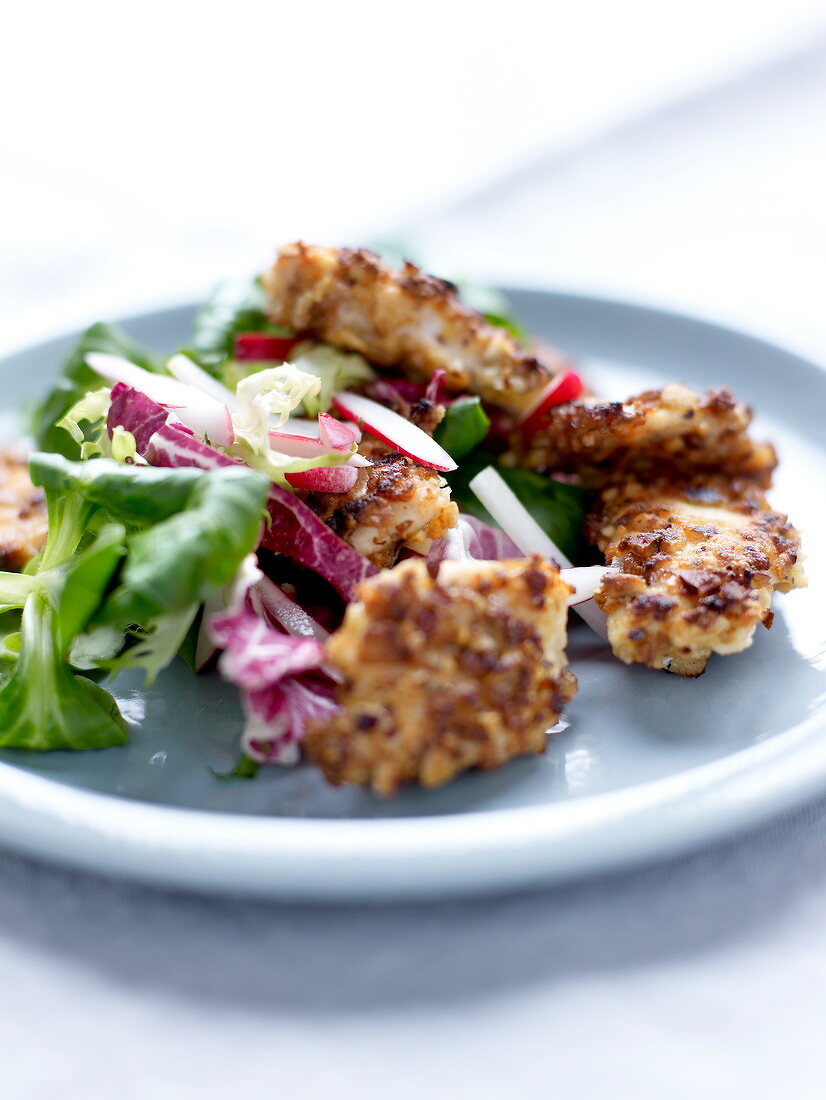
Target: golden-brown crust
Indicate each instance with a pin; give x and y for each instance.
(445, 668)
(407, 320)
(23, 521)
(673, 429)
(695, 567)
(394, 504)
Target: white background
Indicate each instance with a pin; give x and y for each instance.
(660, 151)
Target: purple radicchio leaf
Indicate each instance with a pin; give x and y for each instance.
(297, 532)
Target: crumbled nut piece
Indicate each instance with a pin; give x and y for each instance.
(408, 320)
(444, 670)
(696, 567)
(672, 430)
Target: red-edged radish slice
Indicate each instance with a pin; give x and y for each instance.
(567, 386)
(180, 366)
(299, 446)
(325, 479)
(299, 425)
(207, 417)
(260, 347)
(337, 436)
(517, 522)
(394, 430)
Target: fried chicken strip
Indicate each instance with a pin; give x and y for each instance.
(674, 429)
(408, 320)
(696, 565)
(23, 521)
(445, 668)
(393, 505)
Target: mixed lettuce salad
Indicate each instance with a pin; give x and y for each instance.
(175, 527)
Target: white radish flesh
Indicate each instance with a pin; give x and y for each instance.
(206, 416)
(394, 430)
(517, 522)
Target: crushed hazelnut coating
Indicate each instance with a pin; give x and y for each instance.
(406, 320)
(696, 565)
(393, 505)
(674, 429)
(23, 521)
(445, 668)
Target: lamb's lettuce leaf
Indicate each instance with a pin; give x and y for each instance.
(131, 553)
(44, 704)
(77, 379)
(558, 508)
(234, 307)
(463, 428)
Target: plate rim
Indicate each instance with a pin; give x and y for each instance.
(476, 851)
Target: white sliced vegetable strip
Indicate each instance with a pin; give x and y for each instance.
(185, 370)
(585, 580)
(394, 430)
(209, 418)
(517, 522)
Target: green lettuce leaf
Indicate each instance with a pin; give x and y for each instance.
(44, 704)
(76, 380)
(234, 307)
(463, 428)
(182, 560)
(558, 508)
(132, 552)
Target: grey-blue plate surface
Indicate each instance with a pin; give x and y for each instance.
(647, 765)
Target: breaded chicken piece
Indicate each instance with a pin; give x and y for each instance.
(446, 667)
(23, 521)
(696, 566)
(672, 429)
(394, 504)
(408, 320)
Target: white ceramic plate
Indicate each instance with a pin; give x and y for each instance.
(648, 765)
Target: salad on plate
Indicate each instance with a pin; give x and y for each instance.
(370, 506)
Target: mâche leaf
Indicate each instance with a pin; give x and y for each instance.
(464, 426)
(132, 551)
(44, 704)
(76, 379)
(558, 508)
(233, 308)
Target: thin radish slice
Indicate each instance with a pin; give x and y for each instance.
(394, 430)
(359, 461)
(325, 479)
(299, 425)
(329, 435)
(185, 370)
(299, 446)
(517, 522)
(337, 436)
(566, 386)
(207, 417)
(261, 347)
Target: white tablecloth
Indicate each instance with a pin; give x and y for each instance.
(703, 977)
